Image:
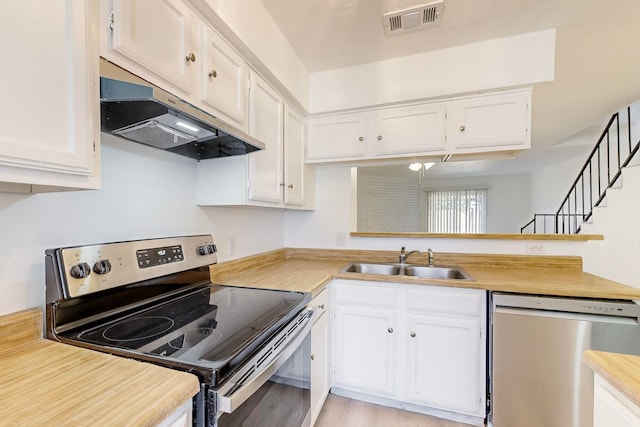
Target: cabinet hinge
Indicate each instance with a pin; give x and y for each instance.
(111, 20)
(94, 146)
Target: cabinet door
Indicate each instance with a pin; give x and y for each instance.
(489, 122)
(50, 114)
(611, 408)
(159, 36)
(319, 365)
(337, 137)
(365, 342)
(265, 124)
(445, 364)
(410, 130)
(224, 76)
(294, 166)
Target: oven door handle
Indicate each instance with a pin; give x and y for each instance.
(231, 395)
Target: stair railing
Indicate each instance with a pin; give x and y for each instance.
(541, 223)
(599, 173)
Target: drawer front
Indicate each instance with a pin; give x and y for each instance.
(356, 292)
(321, 302)
(447, 301)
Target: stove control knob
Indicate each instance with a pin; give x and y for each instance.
(207, 249)
(102, 267)
(80, 271)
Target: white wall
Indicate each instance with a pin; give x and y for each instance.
(318, 229)
(145, 193)
(499, 63)
(616, 257)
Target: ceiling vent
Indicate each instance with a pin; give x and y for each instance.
(413, 18)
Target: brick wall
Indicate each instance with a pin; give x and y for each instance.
(389, 204)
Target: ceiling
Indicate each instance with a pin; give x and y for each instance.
(597, 45)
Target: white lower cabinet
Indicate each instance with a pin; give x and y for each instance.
(442, 363)
(320, 355)
(611, 408)
(365, 344)
(181, 417)
(423, 345)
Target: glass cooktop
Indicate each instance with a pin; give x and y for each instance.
(212, 327)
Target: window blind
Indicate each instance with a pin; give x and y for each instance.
(456, 211)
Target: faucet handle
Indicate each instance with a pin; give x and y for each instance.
(402, 250)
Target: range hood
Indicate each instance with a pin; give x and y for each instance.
(135, 109)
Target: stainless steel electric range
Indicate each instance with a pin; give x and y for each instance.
(152, 300)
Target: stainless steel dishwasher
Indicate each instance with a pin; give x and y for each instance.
(537, 377)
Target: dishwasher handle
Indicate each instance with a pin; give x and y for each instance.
(595, 318)
(609, 308)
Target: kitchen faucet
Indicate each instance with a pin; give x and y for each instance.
(430, 252)
(403, 256)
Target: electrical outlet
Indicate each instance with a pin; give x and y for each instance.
(231, 246)
(341, 238)
(535, 248)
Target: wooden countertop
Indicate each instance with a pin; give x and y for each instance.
(622, 371)
(310, 269)
(43, 382)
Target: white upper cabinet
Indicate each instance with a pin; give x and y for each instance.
(224, 76)
(475, 124)
(166, 43)
(159, 36)
(297, 175)
(409, 130)
(274, 177)
(342, 136)
(488, 122)
(50, 136)
(266, 109)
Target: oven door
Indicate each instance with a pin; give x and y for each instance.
(273, 389)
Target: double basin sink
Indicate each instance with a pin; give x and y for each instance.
(413, 270)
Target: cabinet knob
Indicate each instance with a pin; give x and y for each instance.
(390, 330)
(282, 184)
(361, 139)
(413, 334)
(191, 57)
(462, 128)
(290, 185)
(379, 137)
(313, 357)
(213, 73)
(321, 306)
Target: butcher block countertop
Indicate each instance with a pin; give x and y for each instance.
(310, 270)
(46, 383)
(622, 371)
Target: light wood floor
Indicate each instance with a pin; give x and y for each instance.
(342, 412)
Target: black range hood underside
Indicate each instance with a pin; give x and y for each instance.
(135, 109)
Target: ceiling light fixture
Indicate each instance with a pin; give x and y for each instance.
(418, 166)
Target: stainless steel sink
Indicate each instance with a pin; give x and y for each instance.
(413, 270)
(427, 272)
(381, 269)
